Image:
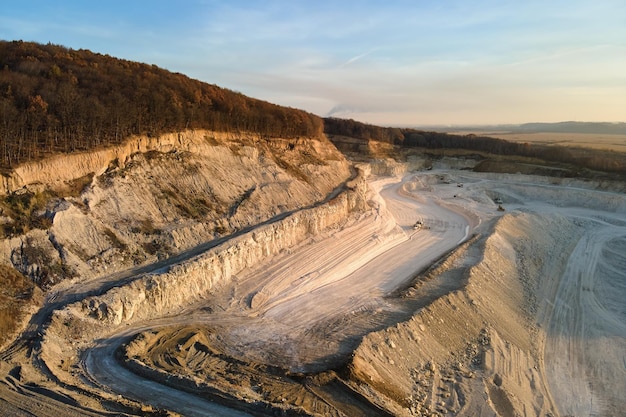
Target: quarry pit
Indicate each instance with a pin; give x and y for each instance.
(506, 301)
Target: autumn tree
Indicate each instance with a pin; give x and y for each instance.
(55, 99)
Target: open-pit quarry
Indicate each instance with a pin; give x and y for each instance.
(426, 292)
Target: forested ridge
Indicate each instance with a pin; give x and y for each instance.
(56, 99)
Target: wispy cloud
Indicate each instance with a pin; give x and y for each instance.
(356, 58)
(488, 61)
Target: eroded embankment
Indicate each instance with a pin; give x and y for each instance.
(57, 170)
(86, 215)
(190, 358)
(169, 292)
(477, 350)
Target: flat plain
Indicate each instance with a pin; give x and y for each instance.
(583, 140)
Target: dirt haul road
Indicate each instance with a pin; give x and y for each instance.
(307, 308)
(299, 308)
(586, 348)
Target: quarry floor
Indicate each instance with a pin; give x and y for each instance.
(307, 309)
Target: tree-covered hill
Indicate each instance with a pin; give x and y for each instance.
(56, 99)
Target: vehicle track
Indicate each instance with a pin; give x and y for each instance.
(579, 318)
(287, 303)
(320, 282)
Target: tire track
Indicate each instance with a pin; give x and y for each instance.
(578, 319)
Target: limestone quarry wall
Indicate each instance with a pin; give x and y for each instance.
(66, 167)
(59, 169)
(168, 292)
(195, 279)
(156, 197)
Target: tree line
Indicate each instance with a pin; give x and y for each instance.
(55, 99)
(601, 160)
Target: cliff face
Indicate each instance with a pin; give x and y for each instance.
(58, 170)
(154, 197)
(192, 280)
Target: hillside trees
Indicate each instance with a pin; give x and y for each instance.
(601, 160)
(55, 99)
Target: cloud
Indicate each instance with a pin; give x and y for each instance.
(433, 62)
(356, 58)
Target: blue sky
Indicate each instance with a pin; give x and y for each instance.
(389, 62)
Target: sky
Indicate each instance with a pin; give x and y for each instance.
(390, 62)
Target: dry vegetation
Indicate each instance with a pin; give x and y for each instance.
(17, 294)
(23, 211)
(429, 349)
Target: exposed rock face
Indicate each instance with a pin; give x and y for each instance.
(154, 197)
(191, 281)
(168, 292)
(467, 338)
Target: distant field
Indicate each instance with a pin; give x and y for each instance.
(586, 140)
